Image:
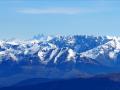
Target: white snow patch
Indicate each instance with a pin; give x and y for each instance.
(54, 52)
(13, 43)
(41, 55)
(93, 53)
(58, 55)
(52, 45)
(101, 51)
(14, 58)
(49, 38)
(71, 55)
(112, 55)
(34, 41)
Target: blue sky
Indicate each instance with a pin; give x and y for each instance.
(26, 18)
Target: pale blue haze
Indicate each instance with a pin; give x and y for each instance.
(25, 18)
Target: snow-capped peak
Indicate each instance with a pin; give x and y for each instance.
(108, 51)
(56, 49)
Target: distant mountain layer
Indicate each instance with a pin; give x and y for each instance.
(95, 83)
(58, 57)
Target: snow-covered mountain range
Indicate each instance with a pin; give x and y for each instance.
(61, 49)
(58, 57)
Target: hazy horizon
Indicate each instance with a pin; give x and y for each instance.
(23, 19)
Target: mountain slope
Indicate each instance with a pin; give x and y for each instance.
(48, 50)
(58, 57)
